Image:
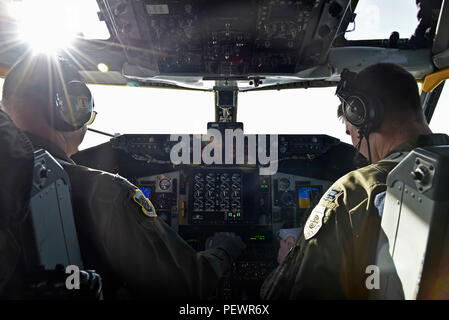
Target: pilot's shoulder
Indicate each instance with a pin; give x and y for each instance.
(350, 191)
(100, 185)
(97, 179)
(363, 179)
(355, 187)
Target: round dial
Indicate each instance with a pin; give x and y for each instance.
(224, 205)
(198, 193)
(235, 205)
(210, 177)
(210, 205)
(199, 177)
(225, 178)
(287, 199)
(198, 186)
(164, 184)
(224, 193)
(236, 178)
(210, 194)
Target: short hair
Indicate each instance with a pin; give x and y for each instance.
(394, 86)
(340, 113)
(34, 79)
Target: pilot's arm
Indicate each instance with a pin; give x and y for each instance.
(134, 245)
(329, 259)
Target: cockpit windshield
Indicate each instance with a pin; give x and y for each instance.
(129, 108)
(149, 110)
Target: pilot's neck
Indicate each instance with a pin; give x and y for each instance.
(385, 143)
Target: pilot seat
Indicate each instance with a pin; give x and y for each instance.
(413, 249)
(39, 248)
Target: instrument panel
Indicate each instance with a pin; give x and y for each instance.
(232, 38)
(217, 196)
(200, 200)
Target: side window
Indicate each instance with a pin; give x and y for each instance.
(376, 19)
(439, 122)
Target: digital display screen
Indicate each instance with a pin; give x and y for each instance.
(305, 195)
(146, 191)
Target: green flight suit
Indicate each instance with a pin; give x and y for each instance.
(128, 245)
(16, 172)
(339, 241)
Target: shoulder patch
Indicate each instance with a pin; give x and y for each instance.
(314, 222)
(331, 194)
(145, 204)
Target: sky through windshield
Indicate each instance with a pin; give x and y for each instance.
(295, 111)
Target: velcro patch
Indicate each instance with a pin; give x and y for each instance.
(330, 195)
(314, 222)
(145, 204)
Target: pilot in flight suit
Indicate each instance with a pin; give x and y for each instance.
(120, 234)
(340, 236)
(123, 239)
(330, 259)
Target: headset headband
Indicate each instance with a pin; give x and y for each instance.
(345, 85)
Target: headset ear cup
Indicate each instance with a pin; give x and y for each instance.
(355, 111)
(363, 112)
(73, 108)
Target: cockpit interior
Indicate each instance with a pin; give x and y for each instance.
(256, 186)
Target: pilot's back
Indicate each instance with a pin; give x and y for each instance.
(122, 238)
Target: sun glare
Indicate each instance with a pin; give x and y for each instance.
(46, 25)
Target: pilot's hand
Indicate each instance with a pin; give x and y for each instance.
(230, 243)
(285, 245)
(287, 239)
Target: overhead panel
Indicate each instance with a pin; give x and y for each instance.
(229, 38)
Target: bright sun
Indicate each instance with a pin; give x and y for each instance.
(46, 25)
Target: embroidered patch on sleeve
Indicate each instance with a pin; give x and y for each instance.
(314, 222)
(145, 204)
(331, 194)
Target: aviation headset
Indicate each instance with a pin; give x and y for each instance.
(362, 109)
(72, 103)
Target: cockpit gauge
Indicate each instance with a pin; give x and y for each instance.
(236, 178)
(284, 184)
(199, 178)
(164, 184)
(210, 177)
(225, 178)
